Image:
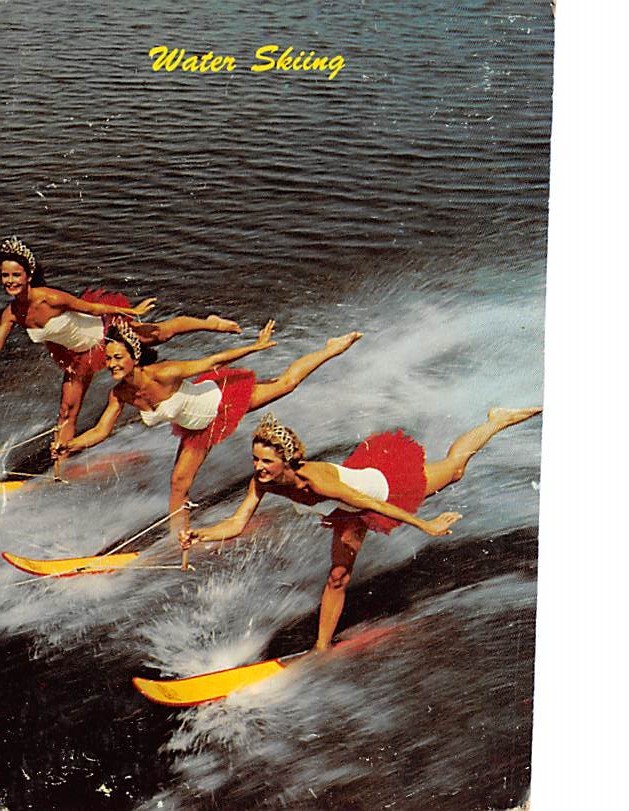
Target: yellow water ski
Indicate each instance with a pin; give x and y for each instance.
(11, 487)
(69, 567)
(213, 686)
(210, 686)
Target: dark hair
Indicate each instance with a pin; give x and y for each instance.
(147, 354)
(13, 250)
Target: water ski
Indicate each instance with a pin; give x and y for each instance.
(69, 567)
(11, 487)
(194, 690)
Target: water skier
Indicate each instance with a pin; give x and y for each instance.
(73, 328)
(203, 413)
(380, 485)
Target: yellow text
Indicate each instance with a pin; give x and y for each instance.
(301, 61)
(175, 58)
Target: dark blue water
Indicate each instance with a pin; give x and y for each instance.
(406, 197)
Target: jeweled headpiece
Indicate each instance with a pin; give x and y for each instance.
(129, 336)
(12, 246)
(272, 432)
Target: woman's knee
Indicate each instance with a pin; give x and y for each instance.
(266, 392)
(71, 404)
(444, 472)
(338, 577)
(69, 410)
(288, 381)
(457, 472)
(181, 480)
(185, 470)
(343, 559)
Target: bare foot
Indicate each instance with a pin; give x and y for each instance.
(511, 416)
(215, 323)
(336, 346)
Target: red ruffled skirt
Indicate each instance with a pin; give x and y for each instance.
(236, 387)
(402, 461)
(84, 364)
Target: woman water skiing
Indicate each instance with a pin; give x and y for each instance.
(73, 328)
(203, 413)
(380, 485)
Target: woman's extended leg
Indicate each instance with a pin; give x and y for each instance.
(346, 544)
(265, 393)
(189, 460)
(162, 331)
(451, 469)
(73, 390)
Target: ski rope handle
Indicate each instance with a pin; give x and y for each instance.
(57, 462)
(185, 554)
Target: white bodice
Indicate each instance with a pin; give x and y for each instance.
(193, 406)
(76, 331)
(369, 480)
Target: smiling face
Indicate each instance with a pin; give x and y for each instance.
(15, 279)
(267, 463)
(119, 360)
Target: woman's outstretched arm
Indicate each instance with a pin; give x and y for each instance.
(229, 527)
(324, 480)
(66, 301)
(95, 435)
(172, 371)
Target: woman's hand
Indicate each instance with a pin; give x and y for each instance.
(265, 336)
(188, 538)
(59, 450)
(143, 307)
(441, 524)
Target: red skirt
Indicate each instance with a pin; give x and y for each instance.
(86, 364)
(236, 387)
(402, 462)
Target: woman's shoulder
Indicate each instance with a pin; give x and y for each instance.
(160, 372)
(48, 295)
(153, 369)
(317, 477)
(316, 470)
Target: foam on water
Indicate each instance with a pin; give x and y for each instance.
(366, 721)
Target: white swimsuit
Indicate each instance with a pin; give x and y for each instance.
(193, 406)
(76, 331)
(369, 480)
